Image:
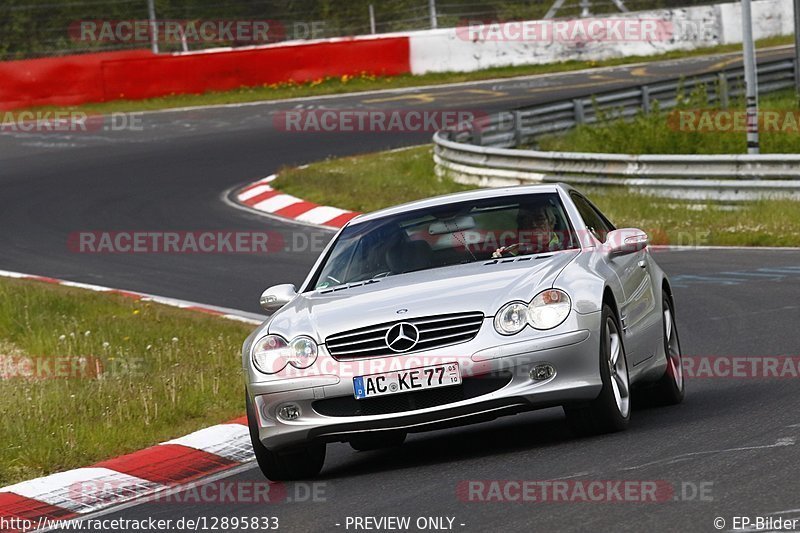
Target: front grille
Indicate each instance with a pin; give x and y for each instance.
(471, 387)
(434, 332)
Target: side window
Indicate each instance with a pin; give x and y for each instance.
(608, 224)
(596, 223)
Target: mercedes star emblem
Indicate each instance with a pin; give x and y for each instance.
(402, 337)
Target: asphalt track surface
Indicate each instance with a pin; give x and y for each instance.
(734, 437)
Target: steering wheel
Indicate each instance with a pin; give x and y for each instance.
(508, 251)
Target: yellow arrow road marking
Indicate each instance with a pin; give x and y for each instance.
(600, 80)
(425, 98)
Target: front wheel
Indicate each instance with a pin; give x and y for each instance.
(671, 388)
(611, 410)
(302, 462)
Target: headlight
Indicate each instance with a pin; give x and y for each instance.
(549, 309)
(303, 352)
(272, 353)
(511, 318)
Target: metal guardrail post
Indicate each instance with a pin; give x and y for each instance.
(646, 98)
(796, 47)
(372, 20)
(432, 14)
(796, 67)
(722, 90)
(750, 79)
(151, 15)
(518, 128)
(578, 111)
(477, 133)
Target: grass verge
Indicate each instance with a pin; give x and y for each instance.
(367, 182)
(88, 376)
(662, 132)
(372, 181)
(349, 84)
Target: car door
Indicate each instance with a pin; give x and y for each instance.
(633, 271)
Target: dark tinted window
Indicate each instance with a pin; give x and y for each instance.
(447, 235)
(595, 221)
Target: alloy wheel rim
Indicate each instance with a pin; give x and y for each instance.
(618, 368)
(673, 349)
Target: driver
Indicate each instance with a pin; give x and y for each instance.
(535, 232)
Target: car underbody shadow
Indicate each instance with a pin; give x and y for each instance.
(538, 430)
(511, 434)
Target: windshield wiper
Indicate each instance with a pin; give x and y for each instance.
(455, 234)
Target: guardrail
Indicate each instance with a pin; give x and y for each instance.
(484, 154)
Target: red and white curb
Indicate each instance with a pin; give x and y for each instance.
(262, 197)
(140, 474)
(148, 472)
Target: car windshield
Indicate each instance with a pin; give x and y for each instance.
(446, 235)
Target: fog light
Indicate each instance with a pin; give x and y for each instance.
(543, 372)
(289, 412)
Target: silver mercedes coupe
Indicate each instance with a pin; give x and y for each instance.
(455, 310)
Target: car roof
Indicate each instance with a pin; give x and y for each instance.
(476, 194)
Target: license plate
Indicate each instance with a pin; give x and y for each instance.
(398, 381)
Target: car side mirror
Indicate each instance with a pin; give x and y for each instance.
(626, 241)
(277, 296)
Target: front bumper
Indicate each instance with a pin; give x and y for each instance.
(495, 371)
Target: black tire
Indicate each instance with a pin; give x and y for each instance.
(671, 388)
(300, 463)
(375, 441)
(603, 415)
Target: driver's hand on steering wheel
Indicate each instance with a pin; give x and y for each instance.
(512, 249)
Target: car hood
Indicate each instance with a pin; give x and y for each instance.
(481, 286)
